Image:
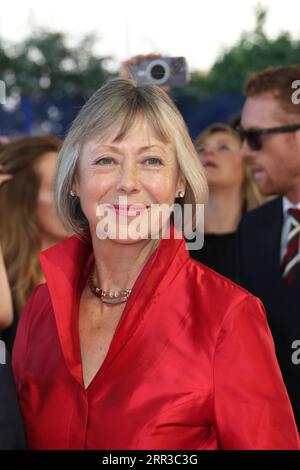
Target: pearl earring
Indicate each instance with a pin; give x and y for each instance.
(73, 194)
(180, 194)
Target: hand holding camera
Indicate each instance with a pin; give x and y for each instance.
(152, 68)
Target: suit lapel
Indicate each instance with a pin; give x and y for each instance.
(271, 232)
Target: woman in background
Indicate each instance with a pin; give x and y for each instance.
(232, 191)
(28, 221)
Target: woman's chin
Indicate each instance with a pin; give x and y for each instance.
(124, 234)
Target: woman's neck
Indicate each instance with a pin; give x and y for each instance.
(119, 265)
(223, 211)
(47, 241)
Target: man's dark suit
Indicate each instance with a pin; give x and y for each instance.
(11, 426)
(259, 270)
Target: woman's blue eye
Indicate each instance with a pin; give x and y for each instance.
(104, 161)
(153, 161)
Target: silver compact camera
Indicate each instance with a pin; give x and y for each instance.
(170, 71)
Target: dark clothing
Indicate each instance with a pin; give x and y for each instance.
(219, 252)
(8, 335)
(11, 426)
(259, 241)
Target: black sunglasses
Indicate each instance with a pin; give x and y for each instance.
(253, 136)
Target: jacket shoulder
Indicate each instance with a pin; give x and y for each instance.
(217, 297)
(217, 283)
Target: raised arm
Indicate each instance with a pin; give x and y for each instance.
(6, 306)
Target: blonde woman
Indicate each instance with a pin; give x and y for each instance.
(131, 344)
(28, 221)
(232, 192)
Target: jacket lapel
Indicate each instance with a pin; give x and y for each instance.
(65, 267)
(271, 232)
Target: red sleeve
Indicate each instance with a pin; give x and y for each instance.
(252, 408)
(20, 343)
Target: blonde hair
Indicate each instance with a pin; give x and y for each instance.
(118, 105)
(253, 197)
(19, 231)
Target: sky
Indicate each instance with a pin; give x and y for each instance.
(196, 29)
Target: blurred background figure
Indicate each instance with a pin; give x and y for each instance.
(269, 237)
(28, 221)
(232, 192)
(6, 307)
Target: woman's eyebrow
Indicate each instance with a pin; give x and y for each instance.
(110, 147)
(116, 147)
(227, 142)
(147, 147)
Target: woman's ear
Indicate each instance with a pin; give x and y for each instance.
(75, 187)
(181, 185)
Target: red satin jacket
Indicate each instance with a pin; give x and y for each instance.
(191, 365)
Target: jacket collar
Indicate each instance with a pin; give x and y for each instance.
(66, 267)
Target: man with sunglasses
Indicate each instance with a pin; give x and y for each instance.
(269, 236)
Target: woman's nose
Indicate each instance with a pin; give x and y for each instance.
(209, 151)
(206, 152)
(128, 180)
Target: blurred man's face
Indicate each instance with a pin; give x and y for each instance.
(276, 166)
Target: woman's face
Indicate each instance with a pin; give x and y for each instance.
(220, 156)
(133, 173)
(49, 224)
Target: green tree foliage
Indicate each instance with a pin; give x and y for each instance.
(43, 64)
(254, 51)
